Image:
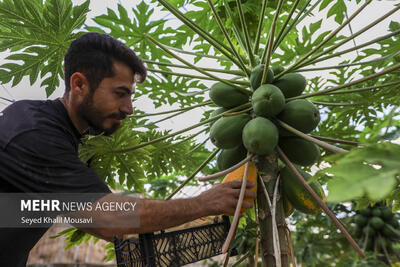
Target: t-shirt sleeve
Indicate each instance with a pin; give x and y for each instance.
(46, 161)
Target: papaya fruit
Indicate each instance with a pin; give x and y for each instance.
(276, 69)
(301, 114)
(226, 96)
(291, 84)
(387, 214)
(300, 151)
(366, 212)
(229, 157)
(216, 113)
(226, 132)
(238, 175)
(298, 195)
(368, 229)
(256, 76)
(360, 220)
(377, 223)
(267, 100)
(287, 207)
(376, 212)
(260, 136)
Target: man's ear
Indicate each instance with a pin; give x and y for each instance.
(79, 84)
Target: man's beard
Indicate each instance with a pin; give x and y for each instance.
(95, 119)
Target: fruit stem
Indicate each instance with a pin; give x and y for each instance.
(328, 139)
(235, 220)
(374, 41)
(320, 202)
(222, 28)
(311, 139)
(245, 256)
(224, 172)
(326, 39)
(246, 83)
(351, 37)
(242, 89)
(180, 131)
(202, 165)
(332, 89)
(338, 104)
(172, 111)
(260, 27)
(291, 250)
(246, 33)
(207, 36)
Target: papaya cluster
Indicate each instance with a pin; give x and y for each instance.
(258, 130)
(377, 228)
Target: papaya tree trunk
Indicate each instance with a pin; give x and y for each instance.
(268, 170)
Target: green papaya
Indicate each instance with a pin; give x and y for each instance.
(360, 220)
(298, 195)
(387, 214)
(226, 132)
(376, 222)
(394, 222)
(227, 96)
(287, 207)
(216, 113)
(300, 151)
(267, 100)
(301, 114)
(276, 69)
(229, 157)
(291, 84)
(376, 211)
(366, 212)
(260, 136)
(369, 230)
(256, 76)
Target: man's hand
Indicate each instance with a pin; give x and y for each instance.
(223, 197)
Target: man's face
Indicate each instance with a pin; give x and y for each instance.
(111, 102)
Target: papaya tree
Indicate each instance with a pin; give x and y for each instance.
(280, 88)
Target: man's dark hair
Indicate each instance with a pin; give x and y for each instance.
(93, 54)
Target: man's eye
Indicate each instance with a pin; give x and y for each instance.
(120, 94)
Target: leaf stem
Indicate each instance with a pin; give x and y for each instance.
(351, 37)
(246, 83)
(197, 147)
(171, 111)
(364, 89)
(196, 54)
(329, 37)
(329, 90)
(376, 40)
(246, 33)
(340, 141)
(224, 172)
(202, 165)
(242, 89)
(320, 202)
(161, 120)
(225, 33)
(235, 220)
(237, 113)
(185, 139)
(311, 139)
(207, 36)
(178, 132)
(260, 27)
(270, 43)
(338, 104)
(233, 72)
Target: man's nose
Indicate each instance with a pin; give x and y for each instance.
(127, 107)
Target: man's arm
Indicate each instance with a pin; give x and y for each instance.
(155, 215)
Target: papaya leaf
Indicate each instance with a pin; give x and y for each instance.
(38, 34)
(367, 171)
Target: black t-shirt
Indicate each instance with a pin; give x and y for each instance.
(39, 153)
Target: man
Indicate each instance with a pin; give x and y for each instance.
(39, 147)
